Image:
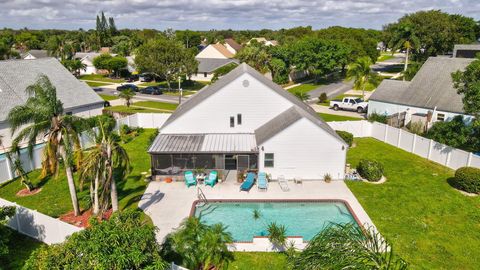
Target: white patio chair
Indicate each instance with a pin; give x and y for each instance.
(283, 183)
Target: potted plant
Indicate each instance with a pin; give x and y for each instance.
(327, 178)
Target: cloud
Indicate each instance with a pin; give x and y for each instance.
(220, 14)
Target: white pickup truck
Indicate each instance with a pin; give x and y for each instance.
(350, 103)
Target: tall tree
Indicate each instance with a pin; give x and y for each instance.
(405, 38)
(43, 116)
(361, 73)
(467, 83)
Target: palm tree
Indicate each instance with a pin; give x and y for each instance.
(105, 163)
(277, 234)
(43, 116)
(348, 247)
(127, 94)
(406, 38)
(302, 95)
(362, 74)
(201, 246)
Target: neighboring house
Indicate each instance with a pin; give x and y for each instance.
(232, 46)
(217, 51)
(244, 121)
(207, 66)
(264, 41)
(466, 50)
(34, 54)
(429, 97)
(87, 60)
(15, 75)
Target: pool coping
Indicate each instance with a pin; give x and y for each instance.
(345, 202)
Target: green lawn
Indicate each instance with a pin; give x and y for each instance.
(385, 57)
(20, 247)
(333, 117)
(54, 199)
(130, 110)
(108, 97)
(431, 225)
(258, 261)
(100, 78)
(304, 88)
(157, 105)
(96, 84)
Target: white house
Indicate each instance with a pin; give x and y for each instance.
(35, 54)
(87, 60)
(15, 75)
(245, 121)
(263, 41)
(213, 57)
(431, 92)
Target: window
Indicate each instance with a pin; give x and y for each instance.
(205, 74)
(239, 119)
(440, 117)
(352, 101)
(232, 121)
(268, 162)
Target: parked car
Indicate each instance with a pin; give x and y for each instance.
(146, 77)
(151, 90)
(97, 89)
(127, 86)
(350, 103)
(133, 78)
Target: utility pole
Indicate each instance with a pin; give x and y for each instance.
(180, 91)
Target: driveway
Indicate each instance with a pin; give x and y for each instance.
(332, 90)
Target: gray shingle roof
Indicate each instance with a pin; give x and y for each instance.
(285, 119)
(431, 87)
(211, 64)
(16, 75)
(37, 53)
(228, 78)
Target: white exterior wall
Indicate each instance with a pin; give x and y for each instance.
(257, 103)
(201, 77)
(88, 70)
(390, 108)
(29, 57)
(303, 150)
(210, 52)
(230, 48)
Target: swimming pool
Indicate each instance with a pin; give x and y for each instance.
(301, 218)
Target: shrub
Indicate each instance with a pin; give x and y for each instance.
(375, 117)
(371, 170)
(322, 98)
(346, 136)
(468, 179)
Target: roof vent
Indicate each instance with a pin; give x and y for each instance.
(245, 83)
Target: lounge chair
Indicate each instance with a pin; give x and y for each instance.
(212, 178)
(283, 183)
(190, 179)
(248, 183)
(262, 183)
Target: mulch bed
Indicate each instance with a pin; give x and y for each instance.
(25, 192)
(82, 220)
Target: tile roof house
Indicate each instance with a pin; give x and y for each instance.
(232, 46)
(15, 75)
(244, 121)
(430, 90)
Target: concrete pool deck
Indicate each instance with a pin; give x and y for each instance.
(169, 203)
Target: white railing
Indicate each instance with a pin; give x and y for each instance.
(39, 226)
(426, 148)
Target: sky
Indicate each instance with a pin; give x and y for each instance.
(218, 14)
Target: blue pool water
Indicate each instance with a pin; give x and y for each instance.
(304, 219)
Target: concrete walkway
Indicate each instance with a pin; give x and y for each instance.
(170, 203)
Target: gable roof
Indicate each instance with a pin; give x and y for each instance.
(211, 64)
(287, 118)
(36, 53)
(243, 68)
(16, 75)
(219, 47)
(431, 87)
(233, 44)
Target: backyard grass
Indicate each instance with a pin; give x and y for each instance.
(108, 97)
(96, 84)
(100, 78)
(20, 247)
(431, 225)
(258, 261)
(333, 117)
(54, 199)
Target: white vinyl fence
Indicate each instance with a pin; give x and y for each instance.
(144, 120)
(426, 148)
(39, 226)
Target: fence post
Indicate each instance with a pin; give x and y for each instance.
(386, 133)
(414, 142)
(469, 160)
(9, 169)
(430, 149)
(399, 137)
(447, 161)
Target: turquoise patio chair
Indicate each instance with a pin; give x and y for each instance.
(212, 179)
(248, 183)
(190, 179)
(262, 182)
